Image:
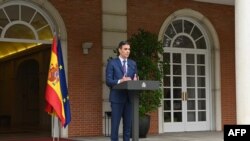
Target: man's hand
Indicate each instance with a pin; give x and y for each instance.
(136, 77)
(124, 78)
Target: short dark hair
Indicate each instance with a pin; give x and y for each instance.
(123, 43)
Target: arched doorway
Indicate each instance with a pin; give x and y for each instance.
(26, 31)
(187, 84)
(189, 96)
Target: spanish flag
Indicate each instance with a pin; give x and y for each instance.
(56, 93)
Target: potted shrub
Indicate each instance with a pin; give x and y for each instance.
(146, 50)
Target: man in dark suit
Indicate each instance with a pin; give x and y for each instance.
(118, 70)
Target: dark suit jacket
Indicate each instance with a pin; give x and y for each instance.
(114, 72)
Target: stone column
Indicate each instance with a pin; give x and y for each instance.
(114, 30)
(242, 62)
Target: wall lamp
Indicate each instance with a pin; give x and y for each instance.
(86, 46)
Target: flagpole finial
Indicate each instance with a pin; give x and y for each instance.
(59, 34)
(54, 34)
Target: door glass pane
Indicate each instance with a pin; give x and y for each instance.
(191, 81)
(166, 57)
(166, 80)
(190, 93)
(201, 93)
(201, 70)
(167, 70)
(201, 82)
(177, 81)
(191, 104)
(191, 116)
(167, 105)
(202, 116)
(177, 92)
(177, 69)
(167, 93)
(176, 58)
(201, 104)
(200, 59)
(177, 117)
(190, 70)
(190, 59)
(167, 117)
(177, 104)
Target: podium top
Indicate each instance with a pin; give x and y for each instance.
(138, 85)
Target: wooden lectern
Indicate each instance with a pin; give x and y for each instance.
(133, 88)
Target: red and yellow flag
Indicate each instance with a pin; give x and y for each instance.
(53, 94)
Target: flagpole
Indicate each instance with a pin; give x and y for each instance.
(53, 132)
(55, 124)
(59, 131)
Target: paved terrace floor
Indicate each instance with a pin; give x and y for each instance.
(183, 136)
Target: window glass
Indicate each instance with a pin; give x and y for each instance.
(19, 31)
(12, 11)
(170, 31)
(178, 26)
(4, 21)
(28, 23)
(201, 43)
(27, 13)
(183, 42)
(196, 33)
(188, 26)
(184, 34)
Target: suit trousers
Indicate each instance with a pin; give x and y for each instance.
(121, 111)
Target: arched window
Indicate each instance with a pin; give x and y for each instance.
(23, 25)
(182, 33)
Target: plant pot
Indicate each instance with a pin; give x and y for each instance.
(144, 124)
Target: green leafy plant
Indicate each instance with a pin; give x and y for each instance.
(146, 50)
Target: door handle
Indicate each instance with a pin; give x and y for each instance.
(186, 96)
(183, 96)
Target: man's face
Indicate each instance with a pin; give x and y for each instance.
(124, 51)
